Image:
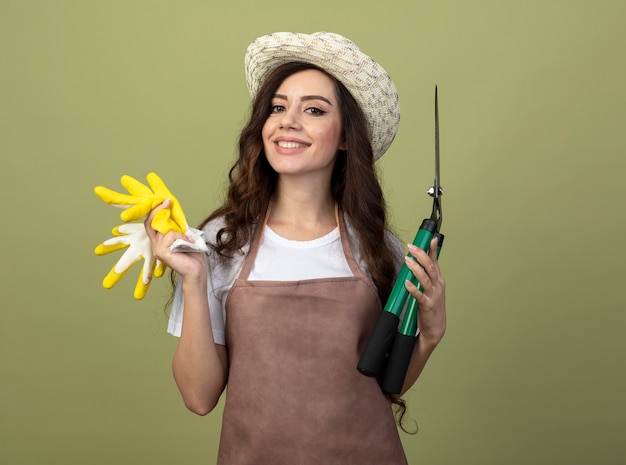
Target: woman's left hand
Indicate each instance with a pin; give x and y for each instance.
(431, 318)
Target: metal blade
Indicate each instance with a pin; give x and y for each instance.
(437, 186)
(436, 191)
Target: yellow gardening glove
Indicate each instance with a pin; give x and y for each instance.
(134, 237)
(139, 202)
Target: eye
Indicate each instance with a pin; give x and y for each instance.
(277, 108)
(315, 111)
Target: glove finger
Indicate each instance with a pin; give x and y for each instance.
(135, 187)
(142, 209)
(105, 248)
(145, 278)
(141, 288)
(147, 270)
(119, 239)
(114, 198)
(130, 229)
(159, 269)
(113, 277)
(158, 186)
(138, 211)
(116, 231)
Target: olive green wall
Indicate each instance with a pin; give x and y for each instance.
(533, 109)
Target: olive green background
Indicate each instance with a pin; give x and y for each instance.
(533, 113)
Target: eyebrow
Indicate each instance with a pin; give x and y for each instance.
(306, 97)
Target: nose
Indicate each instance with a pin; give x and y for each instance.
(289, 119)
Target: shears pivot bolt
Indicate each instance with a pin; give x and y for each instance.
(431, 191)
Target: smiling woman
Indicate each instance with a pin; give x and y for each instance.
(300, 260)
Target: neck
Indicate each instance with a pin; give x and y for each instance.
(300, 213)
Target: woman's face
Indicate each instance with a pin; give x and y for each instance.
(303, 132)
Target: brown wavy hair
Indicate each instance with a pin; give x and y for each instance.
(354, 184)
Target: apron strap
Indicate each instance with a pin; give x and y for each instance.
(255, 242)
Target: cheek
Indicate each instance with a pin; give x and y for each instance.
(265, 134)
(264, 131)
(336, 136)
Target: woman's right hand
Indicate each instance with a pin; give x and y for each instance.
(191, 266)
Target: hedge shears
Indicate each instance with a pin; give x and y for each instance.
(388, 351)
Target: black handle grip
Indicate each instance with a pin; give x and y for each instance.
(379, 343)
(398, 363)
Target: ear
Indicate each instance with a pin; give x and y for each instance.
(342, 145)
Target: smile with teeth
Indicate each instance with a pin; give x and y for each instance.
(290, 144)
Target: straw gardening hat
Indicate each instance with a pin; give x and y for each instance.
(367, 81)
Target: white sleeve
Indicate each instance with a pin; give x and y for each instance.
(175, 323)
(216, 308)
(220, 278)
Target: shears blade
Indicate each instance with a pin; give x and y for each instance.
(436, 192)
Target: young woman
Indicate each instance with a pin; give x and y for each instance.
(301, 261)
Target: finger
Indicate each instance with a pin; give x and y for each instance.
(128, 229)
(140, 210)
(114, 198)
(158, 186)
(141, 288)
(111, 279)
(105, 248)
(116, 273)
(159, 269)
(427, 262)
(148, 267)
(135, 187)
(117, 239)
(415, 292)
(434, 244)
(418, 272)
(145, 277)
(120, 240)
